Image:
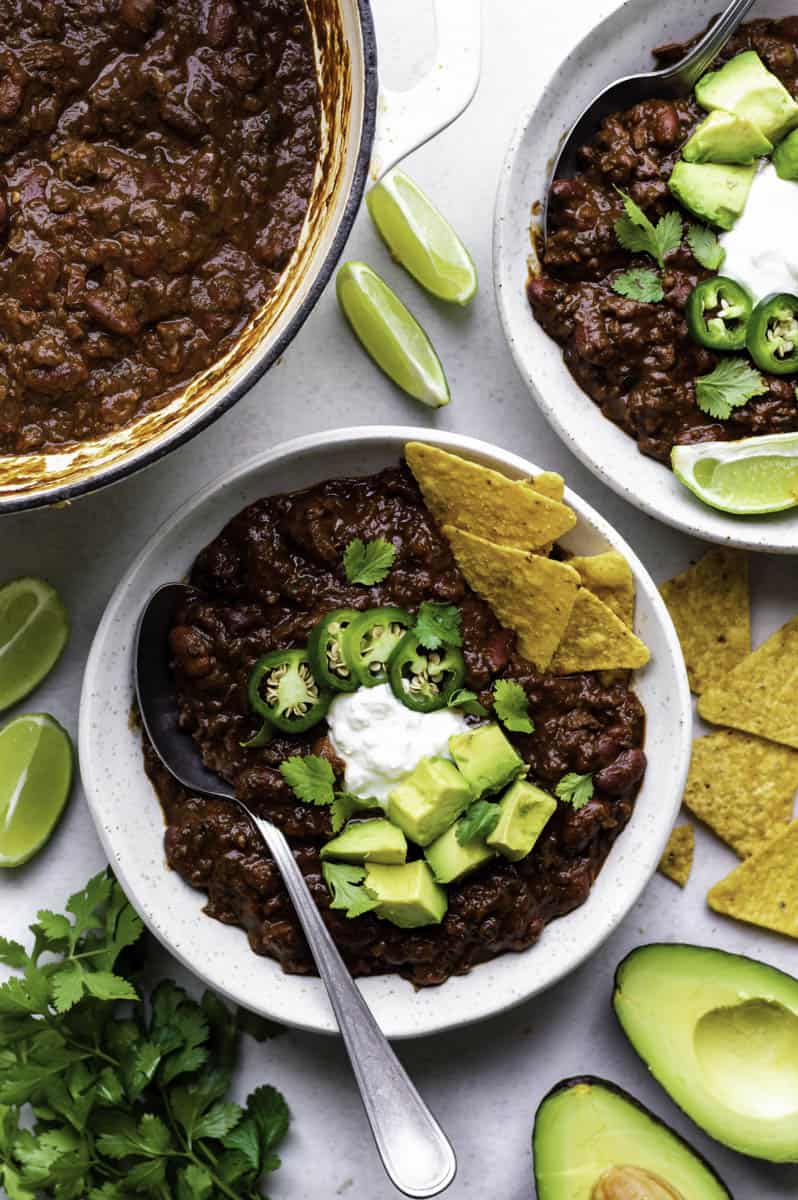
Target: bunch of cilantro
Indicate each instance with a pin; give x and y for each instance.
(104, 1096)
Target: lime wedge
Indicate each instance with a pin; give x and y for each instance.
(34, 627)
(35, 778)
(391, 335)
(421, 239)
(750, 477)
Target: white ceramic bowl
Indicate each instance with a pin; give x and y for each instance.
(620, 45)
(129, 821)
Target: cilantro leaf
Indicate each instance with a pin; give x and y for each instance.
(344, 883)
(705, 246)
(731, 384)
(368, 562)
(218, 1121)
(311, 778)
(480, 819)
(194, 1183)
(511, 706)
(346, 804)
(575, 789)
(639, 283)
(67, 987)
(636, 232)
(468, 701)
(438, 625)
(12, 953)
(270, 1113)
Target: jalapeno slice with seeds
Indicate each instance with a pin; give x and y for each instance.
(283, 689)
(326, 650)
(425, 679)
(772, 339)
(370, 641)
(718, 311)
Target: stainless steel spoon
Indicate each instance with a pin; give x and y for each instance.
(414, 1150)
(678, 80)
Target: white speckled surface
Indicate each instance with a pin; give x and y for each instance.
(483, 1082)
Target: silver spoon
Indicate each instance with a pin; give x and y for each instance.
(414, 1150)
(678, 80)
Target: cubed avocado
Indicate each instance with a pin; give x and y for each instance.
(408, 895)
(486, 759)
(713, 191)
(724, 137)
(785, 157)
(377, 841)
(523, 813)
(746, 87)
(450, 861)
(429, 799)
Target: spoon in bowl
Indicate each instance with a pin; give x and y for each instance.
(674, 81)
(414, 1150)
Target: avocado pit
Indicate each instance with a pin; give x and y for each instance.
(748, 1054)
(632, 1183)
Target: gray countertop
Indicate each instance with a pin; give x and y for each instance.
(484, 1082)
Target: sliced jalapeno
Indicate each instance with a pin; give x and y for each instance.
(284, 691)
(772, 339)
(326, 650)
(425, 679)
(370, 641)
(718, 312)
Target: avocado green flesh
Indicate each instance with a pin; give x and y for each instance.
(720, 1034)
(716, 192)
(725, 138)
(586, 1126)
(744, 86)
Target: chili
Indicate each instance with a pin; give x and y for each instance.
(718, 311)
(772, 339)
(370, 641)
(326, 650)
(423, 679)
(284, 691)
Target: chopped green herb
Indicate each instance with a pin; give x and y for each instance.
(468, 701)
(368, 562)
(438, 625)
(346, 804)
(639, 283)
(480, 819)
(705, 247)
(575, 789)
(512, 707)
(345, 882)
(731, 384)
(636, 232)
(311, 778)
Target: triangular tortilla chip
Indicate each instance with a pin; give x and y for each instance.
(596, 640)
(528, 593)
(710, 606)
(608, 576)
(548, 483)
(677, 861)
(763, 890)
(742, 787)
(761, 694)
(485, 503)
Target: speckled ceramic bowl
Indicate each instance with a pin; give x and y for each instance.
(620, 45)
(129, 821)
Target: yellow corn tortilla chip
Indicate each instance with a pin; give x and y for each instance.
(761, 694)
(742, 787)
(485, 503)
(608, 576)
(677, 861)
(548, 483)
(596, 640)
(710, 606)
(528, 593)
(763, 890)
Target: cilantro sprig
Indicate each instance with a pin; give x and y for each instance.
(511, 706)
(480, 820)
(731, 384)
(575, 789)
(639, 283)
(469, 702)
(345, 885)
(637, 233)
(705, 247)
(310, 777)
(438, 625)
(368, 562)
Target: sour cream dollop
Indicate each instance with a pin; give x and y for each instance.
(762, 247)
(380, 739)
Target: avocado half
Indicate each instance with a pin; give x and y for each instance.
(720, 1033)
(586, 1127)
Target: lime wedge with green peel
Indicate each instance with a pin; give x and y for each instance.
(391, 335)
(35, 777)
(34, 627)
(421, 240)
(748, 478)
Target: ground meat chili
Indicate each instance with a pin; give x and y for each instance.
(262, 584)
(156, 162)
(638, 361)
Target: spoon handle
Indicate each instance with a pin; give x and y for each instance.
(695, 63)
(414, 1149)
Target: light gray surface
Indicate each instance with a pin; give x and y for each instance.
(484, 1083)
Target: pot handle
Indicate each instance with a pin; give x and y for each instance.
(408, 119)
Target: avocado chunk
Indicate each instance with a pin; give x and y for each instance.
(593, 1141)
(377, 841)
(429, 799)
(744, 86)
(486, 759)
(785, 157)
(720, 1034)
(524, 811)
(713, 191)
(408, 895)
(450, 861)
(724, 137)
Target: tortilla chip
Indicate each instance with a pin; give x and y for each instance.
(528, 593)
(711, 609)
(742, 787)
(596, 640)
(484, 503)
(609, 577)
(548, 483)
(763, 890)
(677, 861)
(761, 694)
